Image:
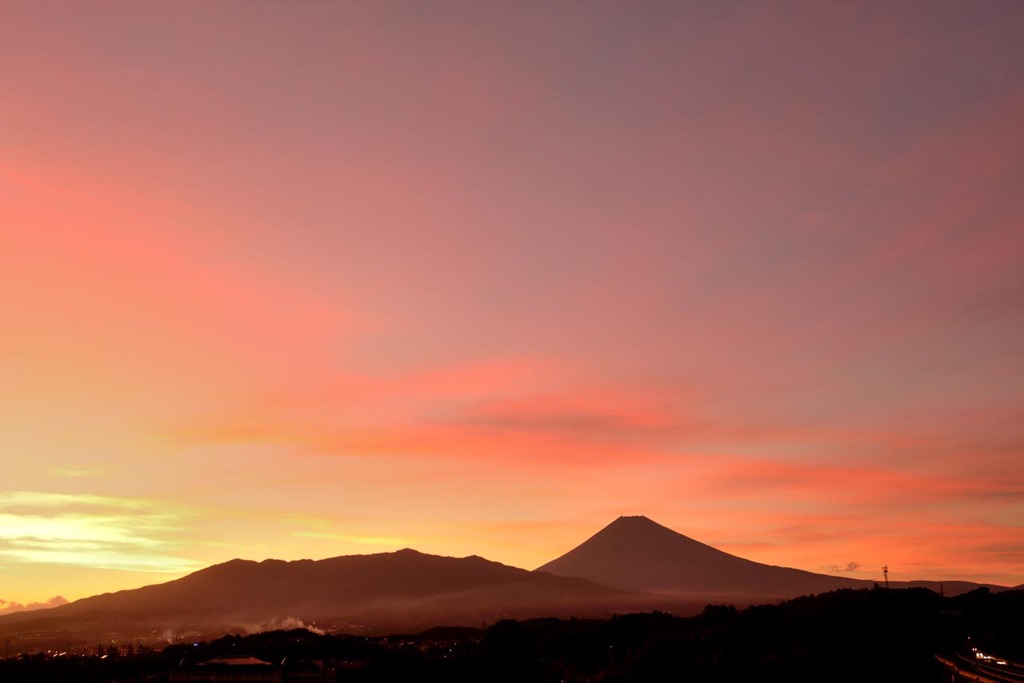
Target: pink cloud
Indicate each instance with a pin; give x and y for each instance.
(9, 607)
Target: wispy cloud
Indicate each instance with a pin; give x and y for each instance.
(92, 531)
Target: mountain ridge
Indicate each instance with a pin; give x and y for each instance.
(375, 593)
(633, 564)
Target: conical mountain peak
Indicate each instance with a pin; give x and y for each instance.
(633, 521)
(637, 524)
(637, 553)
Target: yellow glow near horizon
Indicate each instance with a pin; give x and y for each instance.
(90, 530)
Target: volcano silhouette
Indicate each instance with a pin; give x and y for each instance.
(638, 554)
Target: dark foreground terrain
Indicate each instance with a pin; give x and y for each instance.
(845, 635)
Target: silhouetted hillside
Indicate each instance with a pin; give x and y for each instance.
(387, 591)
(846, 635)
(274, 587)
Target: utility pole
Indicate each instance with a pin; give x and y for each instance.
(885, 573)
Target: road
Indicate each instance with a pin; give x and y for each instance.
(983, 668)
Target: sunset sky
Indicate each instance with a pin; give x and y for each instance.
(306, 279)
